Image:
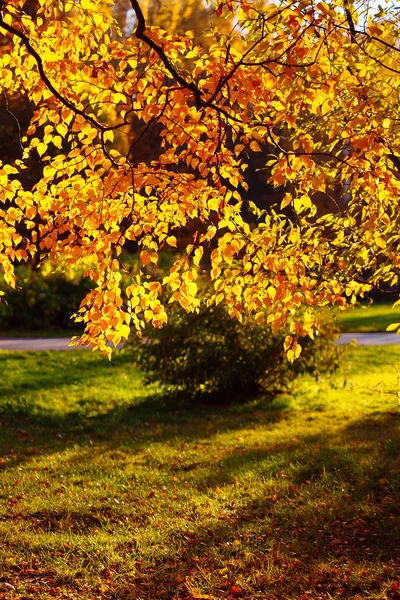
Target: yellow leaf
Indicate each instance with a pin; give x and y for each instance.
(211, 232)
(192, 288)
(98, 18)
(290, 356)
(145, 257)
(198, 253)
(62, 129)
(260, 318)
(171, 241)
(36, 97)
(57, 141)
(219, 298)
(287, 199)
(288, 342)
(301, 203)
(255, 146)
(109, 136)
(41, 148)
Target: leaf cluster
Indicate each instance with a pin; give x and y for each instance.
(310, 88)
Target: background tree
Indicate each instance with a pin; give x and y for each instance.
(16, 112)
(317, 82)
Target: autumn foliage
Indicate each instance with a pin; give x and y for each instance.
(312, 86)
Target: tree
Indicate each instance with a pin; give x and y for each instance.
(317, 82)
(16, 112)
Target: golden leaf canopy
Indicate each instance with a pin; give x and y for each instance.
(303, 95)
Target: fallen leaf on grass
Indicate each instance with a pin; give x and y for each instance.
(11, 587)
(235, 591)
(199, 596)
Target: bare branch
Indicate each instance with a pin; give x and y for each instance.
(141, 35)
(44, 77)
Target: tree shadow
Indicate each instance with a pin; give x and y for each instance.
(51, 372)
(320, 518)
(320, 525)
(149, 420)
(131, 425)
(319, 515)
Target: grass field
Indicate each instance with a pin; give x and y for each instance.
(373, 318)
(105, 493)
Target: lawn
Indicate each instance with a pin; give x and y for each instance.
(372, 318)
(108, 494)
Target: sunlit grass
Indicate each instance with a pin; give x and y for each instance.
(107, 493)
(374, 318)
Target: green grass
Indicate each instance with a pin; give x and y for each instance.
(374, 318)
(105, 493)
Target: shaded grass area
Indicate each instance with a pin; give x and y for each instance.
(107, 493)
(374, 318)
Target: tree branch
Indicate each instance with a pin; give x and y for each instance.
(141, 35)
(350, 22)
(31, 50)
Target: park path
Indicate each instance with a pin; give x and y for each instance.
(370, 339)
(363, 339)
(35, 344)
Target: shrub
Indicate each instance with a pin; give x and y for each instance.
(212, 356)
(44, 298)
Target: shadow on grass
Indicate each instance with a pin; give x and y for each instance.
(320, 517)
(51, 371)
(312, 514)
(150, 420)
(323, 521)
(90, 410)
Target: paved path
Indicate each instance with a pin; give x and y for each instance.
(35, 344)
(370, 339)
(363, 339)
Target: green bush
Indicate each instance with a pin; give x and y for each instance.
(212, 356)
(44, 298)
